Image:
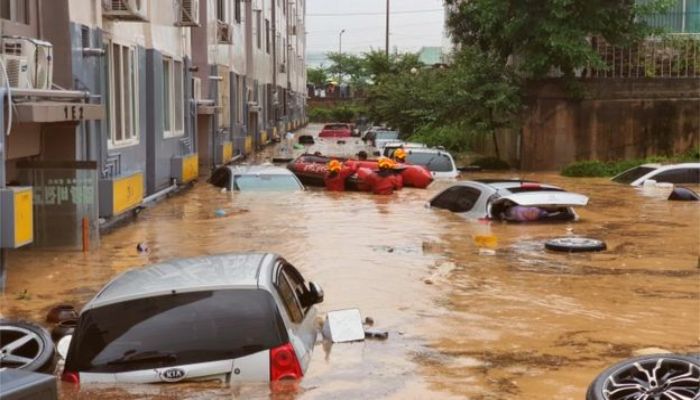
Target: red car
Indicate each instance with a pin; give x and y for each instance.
(336, 130)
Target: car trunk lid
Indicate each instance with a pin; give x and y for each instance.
(545, 198)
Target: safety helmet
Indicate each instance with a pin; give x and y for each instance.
(400, 154)
(334, 166)
(385, 163)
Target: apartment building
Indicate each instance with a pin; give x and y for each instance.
(115, 102)
(250, 76)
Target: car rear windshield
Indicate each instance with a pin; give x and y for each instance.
(336, 127)
(632, 175)
(179, 329)
(266, 183)
(387, 135)
(435, 162)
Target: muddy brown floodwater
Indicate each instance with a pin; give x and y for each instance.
(520, 323)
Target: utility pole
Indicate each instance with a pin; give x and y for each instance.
(340, 60)
(387, 28)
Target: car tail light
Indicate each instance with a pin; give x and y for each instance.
(530, 185)
(284, 363)
(70, 377)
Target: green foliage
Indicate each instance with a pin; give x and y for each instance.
(542, 35)
(319, 114)
(450, 137)
(476, 95)
(591, 168)
(343, 114)
(594, 168)
(491, 163)
(316, 76)
(340, 113)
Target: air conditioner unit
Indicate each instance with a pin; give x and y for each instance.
(197, 88)
(17, 68)
(39, 56)
(292, 29)
(188, 13)
(128, 10)
(224, 33)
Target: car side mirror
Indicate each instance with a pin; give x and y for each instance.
(316, 293)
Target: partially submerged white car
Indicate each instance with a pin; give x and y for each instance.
(439, 162)
(686, 173)
(490, 199)
(230, 317)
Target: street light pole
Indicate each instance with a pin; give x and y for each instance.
(387, 28)
(340, 59)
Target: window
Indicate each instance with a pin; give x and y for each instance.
(266, 183)
(15, 11)
(435, 162)
(681, 175)
(242, 98)
(180, 329)
(632, 175)
(268, 35)
(237, 11)
(286, 290)
(221, 10)
(123, 107)
(173, 98)
(457, 199)
(258, 27)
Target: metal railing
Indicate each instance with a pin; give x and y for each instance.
(673, 56)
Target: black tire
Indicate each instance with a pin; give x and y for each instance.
(36, 354)
(625, 380)
(575, 244)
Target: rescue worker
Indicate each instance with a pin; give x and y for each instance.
(383, 182)
(337, 175)
(362, 155)
(400, 156)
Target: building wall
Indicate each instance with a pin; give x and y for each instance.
(152, 153)
(617, 119)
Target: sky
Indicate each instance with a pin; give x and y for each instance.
(414, 24)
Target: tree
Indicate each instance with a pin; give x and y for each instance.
(476, 95)
(542, 35)
(316, 76)
(347, 65)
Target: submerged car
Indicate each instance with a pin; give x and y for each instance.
(380, 137)
(389, 148)
(258, 178)
(439, 162)
(491, 199)
(672, 173)
(336, 130)
(231, 317)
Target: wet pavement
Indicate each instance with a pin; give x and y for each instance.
(517, 323)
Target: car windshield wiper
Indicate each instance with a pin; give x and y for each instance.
(146, 356)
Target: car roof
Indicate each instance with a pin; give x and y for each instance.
(668, 166)
(507, 184)
(427, 150)
(258, 170)
(224, 271)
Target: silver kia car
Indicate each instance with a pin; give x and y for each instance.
(231, 317)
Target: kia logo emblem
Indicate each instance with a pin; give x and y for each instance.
(172, 375)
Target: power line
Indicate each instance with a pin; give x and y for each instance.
(440, 23)
(375, 13)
